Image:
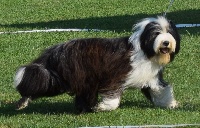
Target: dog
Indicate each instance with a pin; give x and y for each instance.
(105, 67)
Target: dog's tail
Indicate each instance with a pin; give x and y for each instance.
(32, 80)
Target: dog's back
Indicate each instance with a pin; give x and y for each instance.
(95, 60)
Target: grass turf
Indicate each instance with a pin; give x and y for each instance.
(115, 16)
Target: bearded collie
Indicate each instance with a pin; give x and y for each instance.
(86, 68)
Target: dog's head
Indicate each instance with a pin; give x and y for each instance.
(157, 38)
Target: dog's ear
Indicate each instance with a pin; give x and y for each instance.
(173, 30)
(172, 24)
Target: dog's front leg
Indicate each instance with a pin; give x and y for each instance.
(160, 93)
(163, 97)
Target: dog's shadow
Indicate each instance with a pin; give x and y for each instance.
(184, 107)
(117, 23)
(56, 108)
(45, 107)
(140, 104)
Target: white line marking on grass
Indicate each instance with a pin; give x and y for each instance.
(84, 30)
(187, 25)
(147, 126)
(55, 30)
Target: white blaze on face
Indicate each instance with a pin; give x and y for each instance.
(19, 76)
(163, 23)
(164, 37)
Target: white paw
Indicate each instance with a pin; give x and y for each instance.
(173, 104)
(107, 104)
(105, 107)
(101, 107)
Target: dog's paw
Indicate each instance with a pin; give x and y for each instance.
(173, 104)
(108, 104)
(105, 107)
(22, 103)
(101, 107)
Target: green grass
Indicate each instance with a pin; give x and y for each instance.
(115, 16)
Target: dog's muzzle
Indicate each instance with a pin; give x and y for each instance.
(164, 49)
(164, 44)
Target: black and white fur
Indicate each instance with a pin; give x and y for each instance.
(90, 67)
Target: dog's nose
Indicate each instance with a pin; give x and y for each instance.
(166, 43)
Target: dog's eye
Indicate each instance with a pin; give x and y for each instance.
(157, 33)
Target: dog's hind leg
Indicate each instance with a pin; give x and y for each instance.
(85, 101)
(22, 103)
(84, 104)
(81, 105)
(108, 103)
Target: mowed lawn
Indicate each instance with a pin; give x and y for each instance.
(116, 17)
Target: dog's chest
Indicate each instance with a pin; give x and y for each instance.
(143, 72)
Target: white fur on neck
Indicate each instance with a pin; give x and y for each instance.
(143, 72)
